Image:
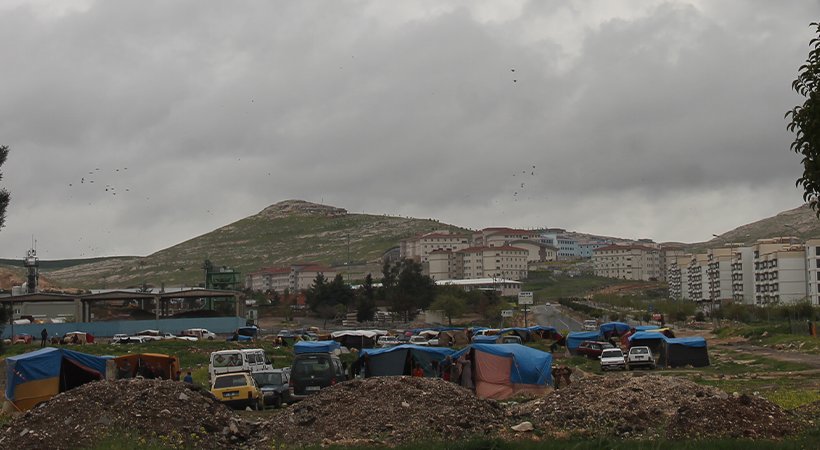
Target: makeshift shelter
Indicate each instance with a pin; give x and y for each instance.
(575, 338)
(357, 338)
(652, 339)
(78, 337)
(501, 371)
(545, 332)
(453, 338)
(316, 347)
(687, 351)
(486, 339)
(146, 365)
(399, 360)
(611, 329)
(35, 377)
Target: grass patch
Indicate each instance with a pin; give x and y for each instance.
(545, 285)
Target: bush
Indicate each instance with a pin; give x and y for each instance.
(699, 316)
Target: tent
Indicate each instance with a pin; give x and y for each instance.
(357, 338)
(501, 371)
(610, 329)
(575, 338)
(688, 351)
(147, 365)
(486, 339)
(35, 377)
(453, 338)
(397, 360)
(316, 347)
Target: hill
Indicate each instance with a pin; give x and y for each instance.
(800, 222)
(288, 232)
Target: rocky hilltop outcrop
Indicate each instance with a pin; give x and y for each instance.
(290, 208)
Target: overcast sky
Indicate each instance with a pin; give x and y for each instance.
(136, 125)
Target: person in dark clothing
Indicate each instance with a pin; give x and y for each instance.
(188, 378)
(44, 336)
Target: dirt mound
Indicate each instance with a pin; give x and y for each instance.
(626, 406)
(388, 410)
(169, 411)
(733, 417)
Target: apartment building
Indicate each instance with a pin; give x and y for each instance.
(719, 275)
(491, 262)
(536, 251)
(743, 275)
(567, 246)
(585, 248)
(498, 237)
(295, 278)
(441, 264)
(697, 278)
(627, 262)
(780, 271)
(419, 247)
(813, 271)
(677, 276)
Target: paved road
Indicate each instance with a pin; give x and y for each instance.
(553, 316)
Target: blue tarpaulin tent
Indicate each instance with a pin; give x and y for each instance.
(37, 376)
(687, 351)
(316, 347)
(395, 361)
(613, 329)
(575, 338)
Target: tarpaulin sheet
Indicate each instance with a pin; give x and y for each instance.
(315, 347)
(529, 366)
(575, 338)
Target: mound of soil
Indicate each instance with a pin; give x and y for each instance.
(733, 417)
(389, 410)
(169, 411)
(614, 406)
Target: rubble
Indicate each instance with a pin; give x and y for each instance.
(146, 408)
(373, 410)
(734, 417)
(620, 406)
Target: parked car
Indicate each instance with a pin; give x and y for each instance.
(275, 386)
(593, 349)
(311, 372)
(238, 360)
(510, 339)
(199, 333)
(612, 359)
(150, 335)
(171, 336)
(590, 325)
(387, 341)
(237, 390)
(132, 340)
(640, 356)
(418, 340)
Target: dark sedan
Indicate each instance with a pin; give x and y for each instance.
(593, 349)
(274, 386)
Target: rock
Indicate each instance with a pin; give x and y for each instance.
(523, 426)
(233, 428)
(23, 433)
(405, 404)
(182, 396)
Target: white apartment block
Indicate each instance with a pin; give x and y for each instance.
(536, 251)
(719, 275)
(441, 264)
(492, 262)
(567, 246)
(677, 276)
(499, 237)
(296, 278)
(780, 271)
(813, 270)
(419, 248)
(627, 262)
(697, 278)
(585, 248)
(743, 275)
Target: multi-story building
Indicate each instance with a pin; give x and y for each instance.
(441, 264)
(295, 278)
(719, 275)
(813, 271)
(536, 251)
(567, 245)
(498, 237)
(743, 275)
(677, 276)
(492, 262)
(419, 247)
(628, 262)
(585, 248)
(696, 277)
(780, 271)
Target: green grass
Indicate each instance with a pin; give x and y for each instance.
(545, 285)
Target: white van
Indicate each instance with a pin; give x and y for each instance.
(590, 325)
(240, 360)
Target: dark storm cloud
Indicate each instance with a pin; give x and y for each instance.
(641, 119)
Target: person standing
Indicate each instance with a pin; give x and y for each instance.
(467, 372)
(188, 378)
(44, 336)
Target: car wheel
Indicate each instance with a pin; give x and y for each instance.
(628, 367)
(277, 402)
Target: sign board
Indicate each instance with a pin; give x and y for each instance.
(525, 298)
(506, 313)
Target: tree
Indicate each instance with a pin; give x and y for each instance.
(406, 288)
(805, 123)
(366, 301)
(317, 293)
(340, 292)
(451, 306)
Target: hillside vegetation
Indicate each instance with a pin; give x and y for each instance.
(285, 233)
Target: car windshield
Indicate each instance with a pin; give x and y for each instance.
(233, 359)
(639, 351)
(612, 354)
(267, 378)
(230, 381)
(311, 366)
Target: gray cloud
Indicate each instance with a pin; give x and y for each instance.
(642, 119)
